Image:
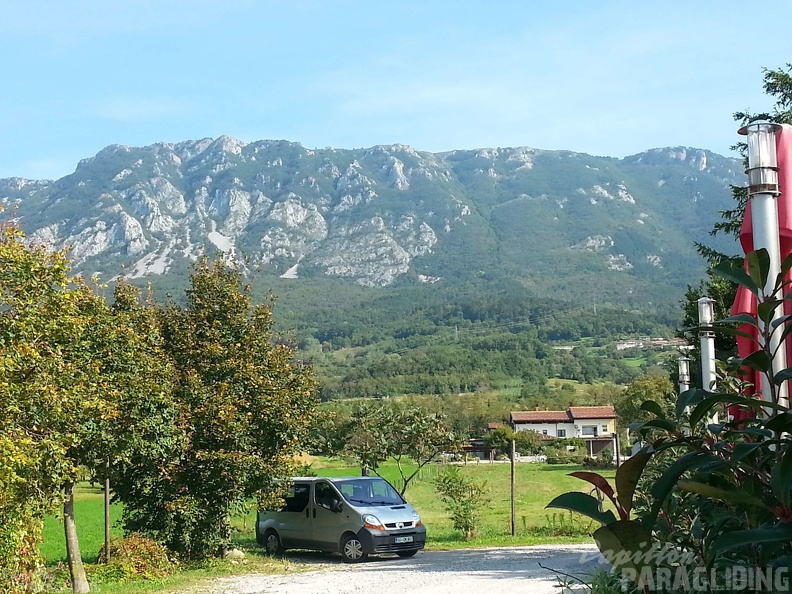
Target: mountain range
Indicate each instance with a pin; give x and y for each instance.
(558, 223)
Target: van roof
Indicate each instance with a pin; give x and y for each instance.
(335, 479)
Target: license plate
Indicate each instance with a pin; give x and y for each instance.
(401, 539)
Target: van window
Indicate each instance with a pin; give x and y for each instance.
(370, 492)
(296, 498)
(325, 495)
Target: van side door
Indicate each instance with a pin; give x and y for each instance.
(332, 516)
(296, 521)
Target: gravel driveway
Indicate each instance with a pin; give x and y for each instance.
(492, 570)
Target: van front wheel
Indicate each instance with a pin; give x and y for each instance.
(352, 549)
(272, 543)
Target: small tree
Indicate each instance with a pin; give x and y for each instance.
(378, 432)
(500, 439)
(649, 387)
(528, 442)
(244, 408)
(464, 499)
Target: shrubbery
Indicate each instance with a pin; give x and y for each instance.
(464, 499)
(133, 557)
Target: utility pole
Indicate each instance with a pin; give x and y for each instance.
(513, 516)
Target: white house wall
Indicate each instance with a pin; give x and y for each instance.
(571, 431)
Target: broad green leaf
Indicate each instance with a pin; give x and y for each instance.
(780, 320)
(741, 538)
(735, 274)
(663, 424)
(583, 504)
(654, 408)
(782, 422)
(743, 449)
(758, 360)
(690, 398)
(705, 405)
(742, 318)
(753, 431)
(786, 332)
(766, 309)
(782, 376)
(781, 476)
(722, 494)
(668, 480)
(622, 544)
(729, 331)
(758, 263)
(627, 477)
(786, 266)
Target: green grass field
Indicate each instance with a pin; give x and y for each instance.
(536, 485)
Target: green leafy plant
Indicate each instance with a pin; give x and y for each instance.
(134, 557)
(717, 493)
(464, 499)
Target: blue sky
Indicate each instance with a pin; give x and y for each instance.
(607, 77)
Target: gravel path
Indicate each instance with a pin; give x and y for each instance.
(493, 570)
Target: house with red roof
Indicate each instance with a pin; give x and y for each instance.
(596, 424)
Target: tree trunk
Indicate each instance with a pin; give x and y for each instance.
(76, 570)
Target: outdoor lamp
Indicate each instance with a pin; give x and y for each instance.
(762, 164)
(684, 370)
(706, 311)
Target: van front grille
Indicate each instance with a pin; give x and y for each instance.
(392, 525)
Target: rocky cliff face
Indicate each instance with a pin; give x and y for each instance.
(372, 215)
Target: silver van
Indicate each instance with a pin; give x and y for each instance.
(355, 516)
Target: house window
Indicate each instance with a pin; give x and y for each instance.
(590, 430)
(604, 428)
(562, 433)
(544, 431)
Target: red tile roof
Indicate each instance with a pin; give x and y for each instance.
(540, 416)
(563, 416)
(592, 412)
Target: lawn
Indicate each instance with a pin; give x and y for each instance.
(536, 485)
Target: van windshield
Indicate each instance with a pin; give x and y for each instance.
(369, 492)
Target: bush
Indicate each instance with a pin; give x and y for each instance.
(565, 459)
(463, 498)
(590, 462)
(133, 557)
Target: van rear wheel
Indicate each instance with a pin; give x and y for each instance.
(272, 543)
(352, 549)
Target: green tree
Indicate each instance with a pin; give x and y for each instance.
(244, 409)
(382, 431)
(81, 385)
(649, 387)
(528, 442)
(500, 439)
(33, 464)
(464, 499)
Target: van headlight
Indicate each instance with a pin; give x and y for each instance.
(416, 519)
(370, 521)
